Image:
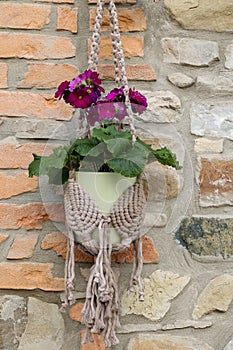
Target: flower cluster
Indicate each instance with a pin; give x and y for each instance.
(85, 91)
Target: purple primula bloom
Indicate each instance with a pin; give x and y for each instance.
(138, 101)
(61, 89)
(75, 84)
(120, 110)
(80, 98)
(116, 95)
(106, 110)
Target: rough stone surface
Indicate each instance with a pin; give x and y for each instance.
(204, 145)
(207, 236)
(14, 185)
(3, 75)
(67, 18)
(23, 246)
(189, 51)
(216, 296)
(47, 75)
(24, 16)
(29, 216)
(181, 80)
(229, 346)
(3, 237)
(162, 181)
(75, 312)
(35, 46)
(31, 105)
(215, 83)
(45, 327)
(199, 14)
(212, 119)
(165, 342)
(13, 319)
(132, 46)
(163, 107)
(22, 275)
(215, 178)
(160, 288)
(130, 20)
(229, 56)
(58, 242)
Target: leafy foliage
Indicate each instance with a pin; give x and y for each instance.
(107, 150)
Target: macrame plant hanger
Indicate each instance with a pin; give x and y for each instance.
(101, 309)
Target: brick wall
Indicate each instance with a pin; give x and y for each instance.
(181, 56)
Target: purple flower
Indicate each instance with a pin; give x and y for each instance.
(138, 101)
(120, 110)
(106, 110)
(116, 95)
(81, 98)
(61, 89)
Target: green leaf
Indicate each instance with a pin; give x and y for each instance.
(103, 134)
(83, 146)
(129, 164)
(58, 176)
(166, 157)
(118, 146)
(34, 166)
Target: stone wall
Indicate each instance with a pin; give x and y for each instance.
(180, 53)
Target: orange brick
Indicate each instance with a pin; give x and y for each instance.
(47, 75)
(98, 343)
(58, 242)
(29, 216)
(23, 246)
(67, 19)
(116, 1)
(3, 75)
(29, 276)
(132, 46)
(20, 156)
(35, 46)
(134, 72)
(14, 185)
(26, 104)
(57, 1)
(3, 237)
(76, 312)
(130, 20)
(24, 16)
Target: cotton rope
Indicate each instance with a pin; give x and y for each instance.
(101, 309)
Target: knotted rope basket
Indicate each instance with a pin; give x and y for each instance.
(101, 310)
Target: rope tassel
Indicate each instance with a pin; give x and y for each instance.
(101, 309)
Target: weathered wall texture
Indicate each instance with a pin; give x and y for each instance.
(180, 53)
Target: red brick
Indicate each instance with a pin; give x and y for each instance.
(150, 255)
(23, 246)
(67, 19)
(3, 75)
(26, 104)
(76, 312)
(132, 45)
(29, 276)
(47, 75)
(57, 241)
(35, 46)
(29, 216)
(134, 72)
(24, 16)
(98, 343)
(20, 156)
(130, 20)
(3, 237)
(14, 185)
